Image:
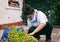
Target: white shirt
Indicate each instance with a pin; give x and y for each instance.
(39, 17)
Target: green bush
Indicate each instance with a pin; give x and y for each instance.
(20, 36)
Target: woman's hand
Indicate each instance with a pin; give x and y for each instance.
(26, 31)
(32, 33)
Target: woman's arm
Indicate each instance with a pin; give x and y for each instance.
(41, 26)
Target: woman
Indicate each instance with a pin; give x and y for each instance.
(38, 23)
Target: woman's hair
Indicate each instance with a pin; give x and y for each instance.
(28, 10)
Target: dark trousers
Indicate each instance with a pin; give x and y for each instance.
(47, 30)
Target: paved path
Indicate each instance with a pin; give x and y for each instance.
(1, 32)
(55, 35)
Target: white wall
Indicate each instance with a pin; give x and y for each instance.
(8, 15)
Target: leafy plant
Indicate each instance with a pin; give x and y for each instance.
(19, 36)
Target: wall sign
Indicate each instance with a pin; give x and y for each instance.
(14, 4)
